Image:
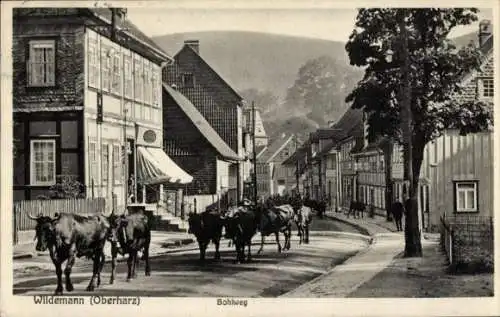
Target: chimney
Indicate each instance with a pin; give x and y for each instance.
(194, 44)
(485, 29)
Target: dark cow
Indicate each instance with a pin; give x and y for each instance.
(397, 211)
(318, 206)
(130, 234)
(241, 225)
(67, 236)
(275, 220)
(206, 227)
(357, 208)
(303, 219)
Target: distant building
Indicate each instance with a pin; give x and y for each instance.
(87, 94)
(273, 177)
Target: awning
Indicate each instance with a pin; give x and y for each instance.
(155, 167)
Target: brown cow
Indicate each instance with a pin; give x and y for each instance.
(67, 236)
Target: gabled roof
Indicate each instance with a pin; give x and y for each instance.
(275, 148)
(202, 125)
(375, 146)
(130, 29)
(187, 47)
(327, 133)
(259, 150)
(297, 155)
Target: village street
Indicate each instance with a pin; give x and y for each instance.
(270, 274)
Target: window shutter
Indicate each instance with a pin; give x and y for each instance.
(29, 73)
(50, 66)
(480, 88)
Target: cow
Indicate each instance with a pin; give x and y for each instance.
(303, 219)
(68, 236)
(206, 227)
(357, 208)
(397, 211)
(318, 206)
(130, 234)
(275, 220)
(240, 226)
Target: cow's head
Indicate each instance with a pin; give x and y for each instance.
(116, 225)
(195, 223)
(44, 231)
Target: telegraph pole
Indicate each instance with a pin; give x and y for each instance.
(254, 156)
(297, 162)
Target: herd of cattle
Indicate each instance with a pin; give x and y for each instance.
(69, 236)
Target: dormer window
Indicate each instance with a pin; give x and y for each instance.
(485, 87)
(188, 80)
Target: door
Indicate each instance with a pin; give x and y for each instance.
(372, 196)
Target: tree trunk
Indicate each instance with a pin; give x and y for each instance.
(413, 243)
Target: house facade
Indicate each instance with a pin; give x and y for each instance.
(87, 96)
(197, 148)
(460, 168)
(216, 100)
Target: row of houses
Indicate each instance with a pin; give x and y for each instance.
(97, 101)
(338, 163)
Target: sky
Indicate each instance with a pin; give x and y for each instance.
(324, 23)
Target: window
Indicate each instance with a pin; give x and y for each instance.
(43, 162)
(41, 63)
(128, 89)
(466, 196)
(147, 84)
(116, 164)
(116, 84)
(93, 163)
(156, 89)
(486, 87)
(188, 80)
(104, 163)
(381, 164)
(106, 68)
(93, 63)
(138, 78)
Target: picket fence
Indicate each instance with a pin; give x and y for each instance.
(50, 207)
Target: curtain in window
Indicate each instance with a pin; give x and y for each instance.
(43, 162)
(41, 64)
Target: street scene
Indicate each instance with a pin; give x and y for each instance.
(159, 159)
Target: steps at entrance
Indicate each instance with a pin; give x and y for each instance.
(168, 222)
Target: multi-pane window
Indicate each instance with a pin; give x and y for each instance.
(188, 80)
(43, 162)
(486, 87)
(41, 63)
(117, 175)
(116, 80)
(138, 79)
(128, 89)
(93, 57)
(104, 163)
(106, 68)
(93, 163)
(466, 196)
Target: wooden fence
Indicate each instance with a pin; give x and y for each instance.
(50, 207)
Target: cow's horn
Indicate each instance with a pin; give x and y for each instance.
(32, 217)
